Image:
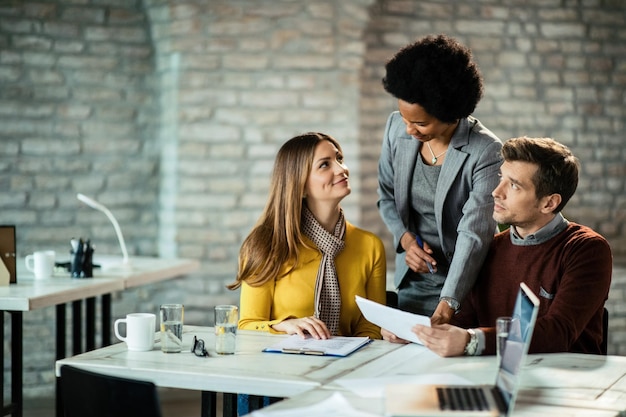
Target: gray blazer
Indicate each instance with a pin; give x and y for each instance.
(463, 201)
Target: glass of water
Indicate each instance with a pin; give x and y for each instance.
(226, 318)
(503, 325)
(172, 316)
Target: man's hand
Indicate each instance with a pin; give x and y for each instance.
(445, 340)
(442, 315)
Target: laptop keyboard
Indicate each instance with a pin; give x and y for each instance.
(462, 399)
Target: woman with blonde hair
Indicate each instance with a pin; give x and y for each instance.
(303, 263)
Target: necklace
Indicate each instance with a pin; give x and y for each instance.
(435, 158)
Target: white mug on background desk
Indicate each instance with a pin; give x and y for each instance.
(41, 263)
(140, 329)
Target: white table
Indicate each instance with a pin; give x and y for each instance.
(312, 400)
(563, 384)
(30, 294)
(248, 371)
(576, 380)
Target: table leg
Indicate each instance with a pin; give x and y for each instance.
(2, 363)
(77, 327)
(17, 363)
(90, 325)
(106, 320)
(60, 353)
(230, 405)
(14, 408)
(209, 404)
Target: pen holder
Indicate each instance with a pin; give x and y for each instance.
(81, 259)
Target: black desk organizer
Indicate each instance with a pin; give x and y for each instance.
(81, 259)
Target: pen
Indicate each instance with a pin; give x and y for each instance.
(420, 243)
(303, 351)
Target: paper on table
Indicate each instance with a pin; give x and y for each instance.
(335, 346)
(375, 387)
(396, 321)
(336, 405)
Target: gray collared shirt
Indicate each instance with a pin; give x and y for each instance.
(547, 232)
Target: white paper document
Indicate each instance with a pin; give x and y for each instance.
(335, 346)
(336, 406)
(396, 321)
(375, 387)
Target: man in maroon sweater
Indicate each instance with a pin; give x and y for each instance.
(567, 265)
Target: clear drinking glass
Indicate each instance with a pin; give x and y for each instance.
(172, 316)
(503, 325)
(226, 318)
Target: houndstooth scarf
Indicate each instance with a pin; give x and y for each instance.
(327, 295)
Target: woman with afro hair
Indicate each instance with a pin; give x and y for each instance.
(437, 169)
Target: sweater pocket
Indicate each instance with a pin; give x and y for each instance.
(546, 297)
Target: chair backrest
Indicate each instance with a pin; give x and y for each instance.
(392, 299)
(604, 347)
(86, 393)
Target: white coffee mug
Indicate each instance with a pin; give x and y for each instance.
(41, 263)
(140, 329)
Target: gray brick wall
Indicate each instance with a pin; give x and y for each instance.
(170, 113)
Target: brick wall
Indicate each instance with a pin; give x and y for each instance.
(552, 70)
(170, 113)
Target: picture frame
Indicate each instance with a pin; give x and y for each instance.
(8, 250)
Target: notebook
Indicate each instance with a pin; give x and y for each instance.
(404, 400)
(335, 346)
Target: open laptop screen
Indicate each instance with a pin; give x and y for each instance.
(516, 346)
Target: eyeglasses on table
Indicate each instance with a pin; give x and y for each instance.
(197, 347)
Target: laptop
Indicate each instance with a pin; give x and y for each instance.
(406, 400)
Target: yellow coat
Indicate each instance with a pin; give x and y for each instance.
(361, 270)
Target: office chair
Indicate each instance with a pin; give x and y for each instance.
(86, 393)
(392, 299)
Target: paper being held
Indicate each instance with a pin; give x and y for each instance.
(396, 321)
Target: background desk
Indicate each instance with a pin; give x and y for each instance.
(30, 294)
(249, 371)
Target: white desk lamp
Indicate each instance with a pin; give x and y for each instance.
(95, 205)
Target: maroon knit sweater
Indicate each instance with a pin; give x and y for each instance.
(571, 275)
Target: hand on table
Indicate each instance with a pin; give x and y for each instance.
(311, 325)
(390, 337)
